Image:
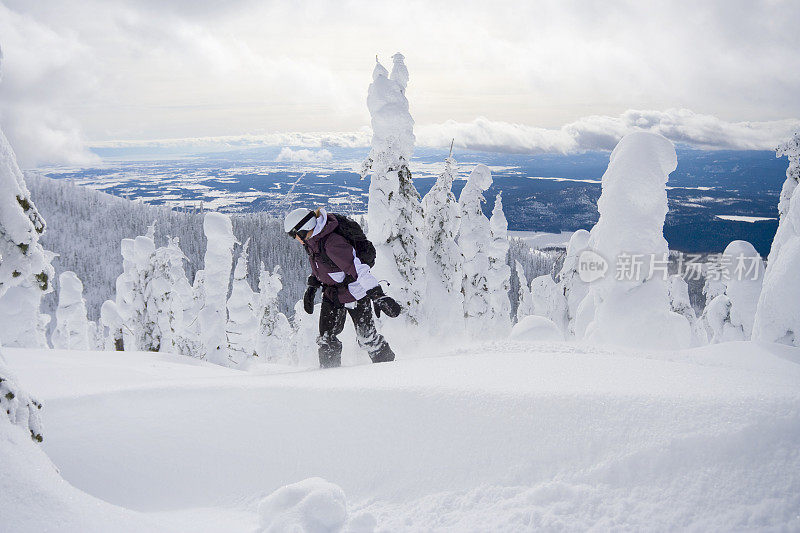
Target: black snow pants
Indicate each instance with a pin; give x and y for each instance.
(331, 324)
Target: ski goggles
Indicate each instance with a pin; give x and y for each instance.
(294, 231)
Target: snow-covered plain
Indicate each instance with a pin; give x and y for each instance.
(495, 437)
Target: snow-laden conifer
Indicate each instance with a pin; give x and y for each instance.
(72, 326)
(23, 263)
(216, 273)
(499, 275)
(242, 317)
(572, 288)
(17, 405)
(791, 149)
(729, 316)
(680, 303)
(110, 327)
(525, 298)
(125, 296)
(443, 299)
(474, 239)
(25, 270)
(778, 313)
(305, 330)
(274, 333)
(394, 212)
(630, 306)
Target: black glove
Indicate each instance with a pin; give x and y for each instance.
(311, 292)
(383, 303)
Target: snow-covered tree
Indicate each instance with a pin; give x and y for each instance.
(17, 405)
(166, 291)
(25, 269)
(778, 313)
(791, 149)
(729, 316)
(23, 263)
(627, 307)
(474, 239)
(525, 298)
(443, 298)
(152, 296)
(72, 326)
(126, 296)
(215, 278)
(274, 333)
(242, 313)
(499, 275)
(395, 221)
(679, 303)
(110, 327)
(305, 330)
(570, 285)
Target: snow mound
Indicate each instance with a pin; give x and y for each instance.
(536, 329)
(309, 506)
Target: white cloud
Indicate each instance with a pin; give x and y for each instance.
(594, 132)
(603, 132)
(304, 156)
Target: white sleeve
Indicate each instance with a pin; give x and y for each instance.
(365, 280)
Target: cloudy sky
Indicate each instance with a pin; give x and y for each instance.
(518, 76)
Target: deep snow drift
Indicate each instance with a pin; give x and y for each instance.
(505, 436)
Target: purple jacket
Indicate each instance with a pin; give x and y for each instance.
(347, 279)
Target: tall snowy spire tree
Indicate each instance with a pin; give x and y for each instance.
(216, 273)
(444, 259)
(474, 239)
(499, 276)
(242, 319)
(791, 149)
(72, 327)
(778, 313)
(630, 305)
(395, 220)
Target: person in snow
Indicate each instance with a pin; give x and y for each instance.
(348, 284)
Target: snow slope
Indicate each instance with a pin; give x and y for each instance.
(504, 436)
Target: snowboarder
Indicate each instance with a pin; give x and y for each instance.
(340, 257)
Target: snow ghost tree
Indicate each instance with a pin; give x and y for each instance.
(778, 313)
(474, 239)
(72, 326)
(729, 316)
(25, 269)
(791, 149)
(274, 333)
(166, 291)
(126, 296)
(680, 303)
(394, 212)
(499, 275)
(443, 298)
(110, 327)
(216, 271)
(525, 298)
(242, 320)
(570, 285)
(23, 263)
(628, 306)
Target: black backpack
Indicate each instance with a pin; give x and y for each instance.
(353, 234)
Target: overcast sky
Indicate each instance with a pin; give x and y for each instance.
(521, 75)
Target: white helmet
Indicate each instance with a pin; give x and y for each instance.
(294, 221)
